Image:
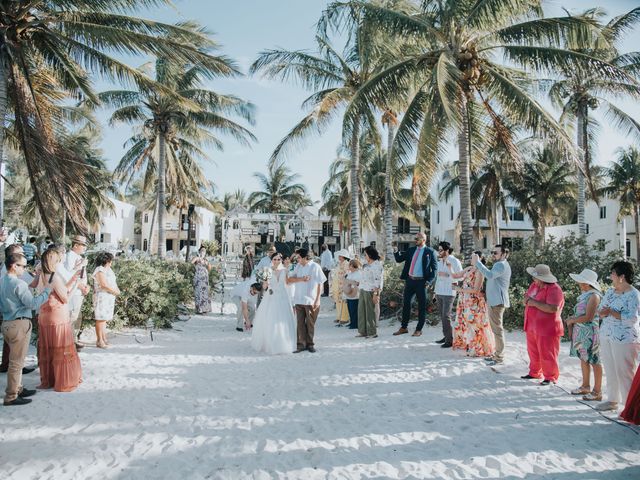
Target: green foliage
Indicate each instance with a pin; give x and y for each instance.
(212, 247)
(151, 290)
(564, 256)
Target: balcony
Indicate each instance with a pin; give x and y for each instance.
(412, 230)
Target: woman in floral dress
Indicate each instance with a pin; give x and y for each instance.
(471, 329)
(338, 275)
(585, 334)
(201, 282)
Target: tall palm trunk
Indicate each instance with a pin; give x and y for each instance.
(388, 207)
(636, 221)
(495, 222)
(355, 186)
(464, 177)
(153, 221)
(3, 113)
(162, 151)
(583, 146)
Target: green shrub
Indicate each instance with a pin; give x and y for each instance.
(151, 289)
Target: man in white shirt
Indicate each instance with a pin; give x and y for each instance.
(72, 260)
(245, 296)
(445, 294)
(326, 263)
(308, 278)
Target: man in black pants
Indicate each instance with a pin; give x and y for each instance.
(420, 267)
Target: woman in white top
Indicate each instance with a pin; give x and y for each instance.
(370, 288)
(352, 292)
(104, 296)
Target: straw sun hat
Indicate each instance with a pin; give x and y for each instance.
(542, 272)
(586, 276)
(343, 253)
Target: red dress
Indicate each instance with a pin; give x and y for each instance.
(57, 356)
(631, 412)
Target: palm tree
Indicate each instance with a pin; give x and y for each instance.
(625, 184)
(576, 94)
(168, 145)
(544, 184)
(455, 81)
(68, 39)
(279, 191)
(334, 78)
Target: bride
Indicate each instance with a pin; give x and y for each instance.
(274, 326)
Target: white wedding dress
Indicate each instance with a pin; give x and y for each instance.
(274, 326)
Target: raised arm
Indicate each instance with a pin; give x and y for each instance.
(496, 271)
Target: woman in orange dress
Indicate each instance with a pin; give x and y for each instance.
(472, 331)
(57, 356)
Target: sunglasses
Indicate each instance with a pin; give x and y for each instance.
(495, 252)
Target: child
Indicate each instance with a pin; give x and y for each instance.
(351, 291)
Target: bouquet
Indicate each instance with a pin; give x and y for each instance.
(264, 274)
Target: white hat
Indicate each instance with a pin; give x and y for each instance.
(542, 272)
(586, 276)
(344, 253)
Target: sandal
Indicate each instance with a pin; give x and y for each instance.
(582, 390)
(593, 397)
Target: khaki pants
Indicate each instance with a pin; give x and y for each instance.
(240, 317)
(367, 320)
(306, 316)
(75, 307)
(495, 320)
(17, 334)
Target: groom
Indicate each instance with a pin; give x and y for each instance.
(309, 279)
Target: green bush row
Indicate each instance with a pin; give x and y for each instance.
(151, 289)
(564, 256)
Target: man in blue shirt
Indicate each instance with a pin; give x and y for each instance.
(17, 303)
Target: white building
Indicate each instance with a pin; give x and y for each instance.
(176, 227)
(605, 229)
(241, 228)
(445, 222)
(116, 226)
(404, 234)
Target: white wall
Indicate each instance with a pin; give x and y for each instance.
(117, 226)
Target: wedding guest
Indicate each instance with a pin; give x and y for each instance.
(445, 294)
(619, 334)
(631, 412)
(497, 295)
(17, 304)
(370, 287)
(585, 334)
(326, 262)
(74, 259)
(44, 245)
(472, 331)
(352, 292)
(289, 264)
(30, 250)
(244, 294)
(201, 282)
(104, 296)
(338, 275)
(57, 356)
(265, 261)
(543, 302)
(419, 269)
(309, 280)
(247, 263)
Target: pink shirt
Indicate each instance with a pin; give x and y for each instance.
(542, 323)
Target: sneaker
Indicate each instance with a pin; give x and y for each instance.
(18, 401)
(606, 406)
(26, 393)
(546, 382)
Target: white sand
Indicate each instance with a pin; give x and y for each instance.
(199, 403)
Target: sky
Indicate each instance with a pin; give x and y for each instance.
(244, 28)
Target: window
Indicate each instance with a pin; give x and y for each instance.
(438, 216)
(327, 229)
(236, 224)
(146, 218)
(145, 245)
(603, 212)
(484, 243)
(451, 212)
(515, 214)
(628, 247)
(601, 244)
(512, 243)
(587, 229)
(404, 225)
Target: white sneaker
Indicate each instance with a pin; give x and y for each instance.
(606, 406)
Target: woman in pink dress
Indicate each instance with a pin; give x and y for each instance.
(57, 356)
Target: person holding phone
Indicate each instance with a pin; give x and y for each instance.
(58, 358)
(73, 260)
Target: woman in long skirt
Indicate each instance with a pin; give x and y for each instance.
(201, 282)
